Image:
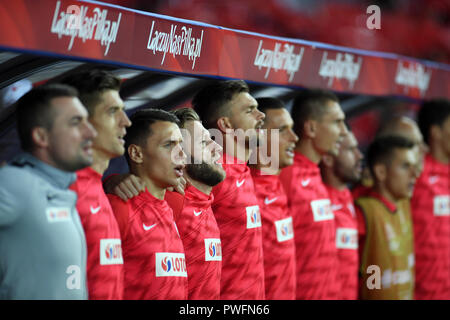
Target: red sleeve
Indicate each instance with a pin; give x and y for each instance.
(285, 179)
(121, 212)
(176, 202)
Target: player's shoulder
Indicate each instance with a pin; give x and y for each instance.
(18, 179)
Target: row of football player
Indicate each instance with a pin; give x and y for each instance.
(234, 233)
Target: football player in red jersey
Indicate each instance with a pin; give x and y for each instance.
(154, 260)
(193, 214)
(231, 113)
(431, 204)
(99, 92)
(319, 123)
(277, 228)
(337, 172)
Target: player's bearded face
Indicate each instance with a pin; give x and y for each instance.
(209, 174)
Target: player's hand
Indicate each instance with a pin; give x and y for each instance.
(125, 186)
(180, 186)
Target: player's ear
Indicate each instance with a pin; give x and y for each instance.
(435, 132)
(224, 124)
(135, 153)
(40, 137)
(310, 128)
(380, 171)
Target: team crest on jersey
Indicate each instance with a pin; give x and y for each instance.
(57, 214)
(110, 251)
(253, 217)
(346, 238)
(441, 205)
(284, 229)
(213, 250)
(322, 210)
(170, 264)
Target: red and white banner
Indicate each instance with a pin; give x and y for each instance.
(102, 32)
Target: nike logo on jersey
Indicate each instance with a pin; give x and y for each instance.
(239, 184)
(433, 179)
(146, 228)
(95, 210)
(267, 201)
(305, 182)
(197, 213)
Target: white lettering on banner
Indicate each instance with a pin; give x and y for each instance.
(213, 249)
(413, 76)
(83, 26)
(110, 251)
(343, 67)
(170, 264)
(346, 238)
(285, 229)
(175, 44)
(279, 60)
(322, 210)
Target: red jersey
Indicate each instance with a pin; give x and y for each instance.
(315, 229)
(346, 241)
(201, 239)
(237, 214)
(430, 206)
(104, 260)
(278, 237)
(153, 254)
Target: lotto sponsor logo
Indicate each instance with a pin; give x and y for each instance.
(110, 252)
(253, 217)
(58, 214)
(213, 249)
(322, 210)
(441, 205)
(346, 238)
(284, 229)
(170, 264)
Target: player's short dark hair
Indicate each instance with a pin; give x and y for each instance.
(211, 102)
(91, 84)
(432, 112)
(382, 149)
(141, 122)
(310, 104)
(186, 114)
(34, 109)
(269, 103)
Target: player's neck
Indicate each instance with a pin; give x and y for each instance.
(384, 192)
(333, 181)
(439, 154)
(152, 186)
(101, 161)
(233, 148)
(306, 148)
(198, 185)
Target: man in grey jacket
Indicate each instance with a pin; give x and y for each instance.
(42, 243)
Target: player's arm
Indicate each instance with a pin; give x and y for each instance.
(125, 186)
(121, 212)
(11, 197)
